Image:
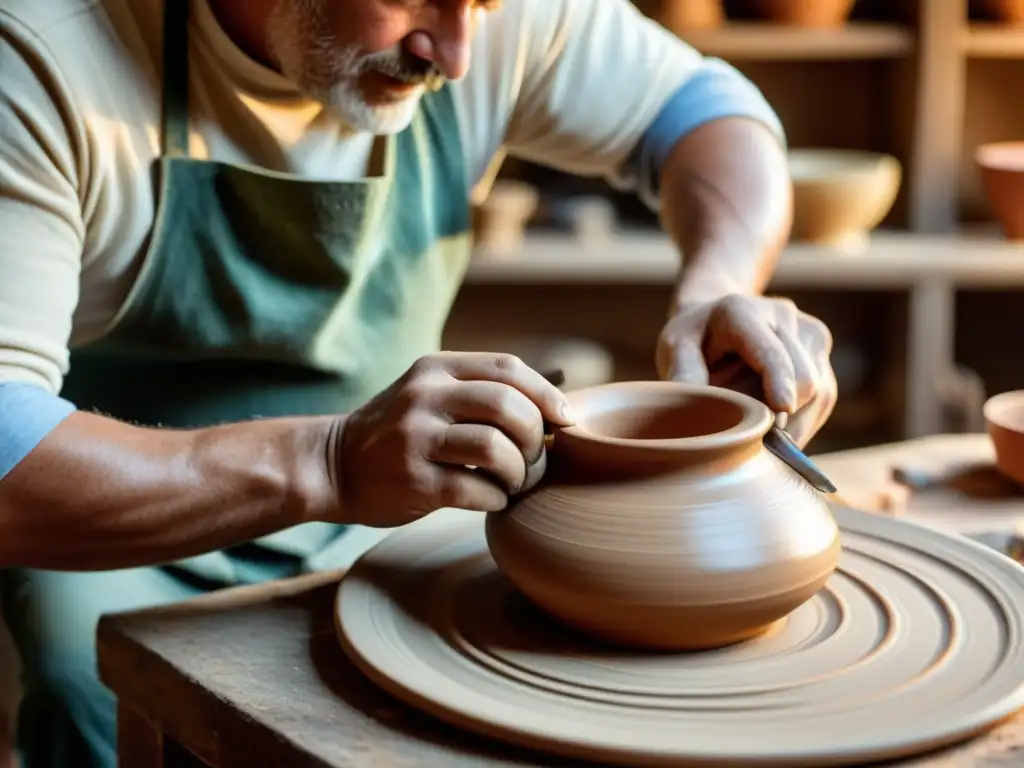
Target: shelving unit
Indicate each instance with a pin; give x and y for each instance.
(751, 41)
(924, 80)
(992, 41)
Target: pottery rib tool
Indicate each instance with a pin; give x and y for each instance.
(780, 443)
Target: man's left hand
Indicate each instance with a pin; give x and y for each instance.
(762, 346)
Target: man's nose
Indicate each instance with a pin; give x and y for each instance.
(444, 40)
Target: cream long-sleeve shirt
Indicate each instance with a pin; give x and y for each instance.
(573, 84)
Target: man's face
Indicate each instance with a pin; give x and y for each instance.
(370, 61)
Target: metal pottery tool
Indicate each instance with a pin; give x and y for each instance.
(779, 442)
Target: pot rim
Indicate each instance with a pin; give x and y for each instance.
(998, 410)
(757, 418)
(989, 156)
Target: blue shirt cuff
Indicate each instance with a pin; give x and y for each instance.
(717, 91)
(27, 415)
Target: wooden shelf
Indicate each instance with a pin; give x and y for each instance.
(893, 260)
(992, 41)
(754, 41)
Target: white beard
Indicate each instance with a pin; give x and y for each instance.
(310, 58)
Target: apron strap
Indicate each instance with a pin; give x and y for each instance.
(175, 83)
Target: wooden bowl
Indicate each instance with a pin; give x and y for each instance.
(1001, 167)
(1004, 421)
(1006, 11)
(840, 195)
(803, 13)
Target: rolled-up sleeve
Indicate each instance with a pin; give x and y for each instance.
(27, 415)
(717, 90)
(594, 88)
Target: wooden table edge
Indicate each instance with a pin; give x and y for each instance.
(149, 733)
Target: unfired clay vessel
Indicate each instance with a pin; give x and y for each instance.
(663, 522)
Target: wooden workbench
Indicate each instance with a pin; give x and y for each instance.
(255, 677)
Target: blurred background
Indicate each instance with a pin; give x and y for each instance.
(907, 220)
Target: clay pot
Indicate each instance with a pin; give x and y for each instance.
(687, 15)
(663, 523)
(1007, 11)
(1004, 421)
(803, 13)
(1001, 166)
(840, 195)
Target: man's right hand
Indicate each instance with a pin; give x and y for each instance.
(458, 429)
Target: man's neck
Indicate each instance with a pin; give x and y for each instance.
(246, 24)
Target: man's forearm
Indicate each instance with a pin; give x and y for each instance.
(726, 200)
(101, 494)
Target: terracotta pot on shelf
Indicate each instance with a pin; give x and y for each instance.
(1006, 11)
(803, 13)
(686, 15)
(1004, 422)
(1001, 167)
(662, 522)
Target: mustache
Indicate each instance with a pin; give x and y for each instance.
(404, 66)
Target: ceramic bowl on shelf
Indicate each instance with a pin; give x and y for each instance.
(1001, 167)
(840, 195)
(803, 13)
(1006, 11)
(1004, 421)
(662, 522)
(690, 15)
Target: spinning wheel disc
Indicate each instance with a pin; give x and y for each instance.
(914, 643)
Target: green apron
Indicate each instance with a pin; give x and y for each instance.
(261, 295)
(264, 295)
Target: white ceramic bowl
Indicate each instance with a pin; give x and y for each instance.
(840, 195)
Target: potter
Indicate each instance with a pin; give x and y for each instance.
(662, 521)
(230, 236)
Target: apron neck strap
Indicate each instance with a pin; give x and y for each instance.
(175, 80)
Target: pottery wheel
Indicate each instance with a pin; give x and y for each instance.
(914, 643)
